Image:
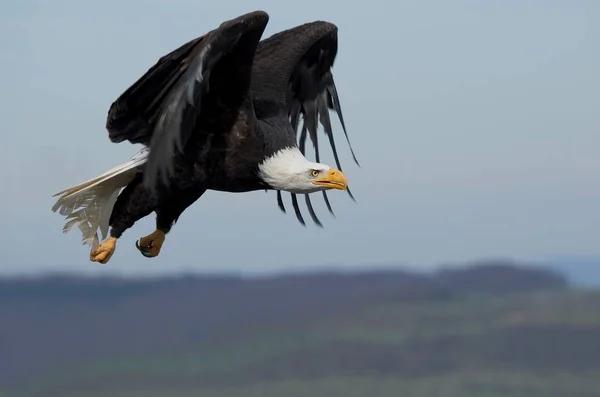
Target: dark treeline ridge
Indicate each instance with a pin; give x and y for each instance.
(51, 322)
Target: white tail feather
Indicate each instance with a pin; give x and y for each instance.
(88, 205)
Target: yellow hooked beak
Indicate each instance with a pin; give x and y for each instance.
(335, 179)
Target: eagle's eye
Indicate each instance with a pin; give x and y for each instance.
(313, 173)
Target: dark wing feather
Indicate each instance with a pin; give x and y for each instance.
(310, 91)
(132, 116)
(166, 100)
(297, 210)
(312, 94)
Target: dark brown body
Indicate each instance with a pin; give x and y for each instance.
(211, 132)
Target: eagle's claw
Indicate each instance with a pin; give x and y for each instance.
(145, 251)
(150, 245)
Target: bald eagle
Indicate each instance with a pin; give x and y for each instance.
(220, 113)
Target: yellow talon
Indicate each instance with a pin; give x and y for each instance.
(104, 251)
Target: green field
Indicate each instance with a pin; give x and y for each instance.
(528, 345)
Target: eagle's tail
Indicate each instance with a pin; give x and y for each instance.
(88, 205)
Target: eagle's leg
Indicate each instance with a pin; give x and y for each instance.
(134, 203)
(167, 214)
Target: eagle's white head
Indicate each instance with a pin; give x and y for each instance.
(288, 170)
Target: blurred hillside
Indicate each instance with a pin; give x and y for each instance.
(484, 330)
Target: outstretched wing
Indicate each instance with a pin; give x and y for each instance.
(162, 108)
(310, 91)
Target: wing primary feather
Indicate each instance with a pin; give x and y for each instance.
(197, 76)
(350, 194)
(326, 122)
(295, 114)
(280, 201)
(168, 127)
(311, 211)
(302, 145)
(310, 108)
(328, 203)
(297, 210)
(338, 109)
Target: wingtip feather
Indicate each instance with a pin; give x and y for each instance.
(311, 211)
(297, 210)
(280, 202)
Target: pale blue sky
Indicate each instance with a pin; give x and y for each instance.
(477, 124)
